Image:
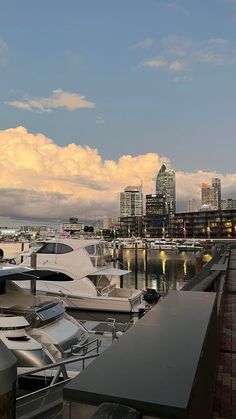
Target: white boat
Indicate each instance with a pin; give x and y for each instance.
(92, 284)
(189, 245)
(37, 333)
(163, 244)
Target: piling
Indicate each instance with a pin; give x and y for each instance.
(136, 264)
(33, 264)
(199, 261)
(121, 260)
(146, 264)
(22, 250)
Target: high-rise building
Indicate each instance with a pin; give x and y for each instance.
(165, 185)
(211, 195)
(208, 196)
(131, 201)
(155, 204)
(216, 184)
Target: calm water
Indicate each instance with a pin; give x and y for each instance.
(172, 266)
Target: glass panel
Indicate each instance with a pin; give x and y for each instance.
(90, 249)
(48, 248)
(63, 248)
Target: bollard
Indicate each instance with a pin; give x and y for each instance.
(8, 375)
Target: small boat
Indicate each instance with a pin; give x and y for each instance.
(189, 245)
(84, 276)
(163, 244)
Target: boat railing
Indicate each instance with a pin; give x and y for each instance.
(59, 368)
(49, 398)
(87, 347)
(106, 290)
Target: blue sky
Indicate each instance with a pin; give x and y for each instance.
(159, 76)
(96, 94)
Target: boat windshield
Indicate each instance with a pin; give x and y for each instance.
(55, 248)
(99, 254)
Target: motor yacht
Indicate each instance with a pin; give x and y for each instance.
(163, 244)
(37, 332)
(189, 245)
(93, 279)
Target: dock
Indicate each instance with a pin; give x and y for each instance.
(178, 361)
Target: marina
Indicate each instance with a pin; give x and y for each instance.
(163, 272)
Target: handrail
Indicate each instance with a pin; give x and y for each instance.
(86, 345)
(108, 289)
(57, 364)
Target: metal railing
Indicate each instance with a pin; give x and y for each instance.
(60, 368)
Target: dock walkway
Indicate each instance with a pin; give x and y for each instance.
(225, 392)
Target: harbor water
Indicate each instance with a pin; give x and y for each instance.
(149, 270)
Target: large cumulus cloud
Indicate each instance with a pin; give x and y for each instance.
(44, 180)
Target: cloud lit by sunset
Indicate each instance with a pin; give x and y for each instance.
(42, 179)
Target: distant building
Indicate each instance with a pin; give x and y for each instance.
(109, 223)
(211, 195)
(223, 204)
(228, 204)
(193, 205)
(131, 202)
(216, 184)
(165, 185)
(72, 226)
(155, 204)
(231, 203)
(206, 224)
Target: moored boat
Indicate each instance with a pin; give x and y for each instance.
(163, 244)
(189, 245)
(90, 277)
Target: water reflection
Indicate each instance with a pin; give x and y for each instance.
(159, 266)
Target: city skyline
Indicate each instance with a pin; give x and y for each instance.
(98, 95)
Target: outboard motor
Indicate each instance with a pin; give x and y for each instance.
(151, 296)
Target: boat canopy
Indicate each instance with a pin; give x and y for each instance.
(111, 272)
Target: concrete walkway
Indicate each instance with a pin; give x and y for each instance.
(225, 391)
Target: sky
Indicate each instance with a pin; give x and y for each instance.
(96, 95)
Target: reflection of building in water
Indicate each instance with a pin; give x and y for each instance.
(163, 261)
(185, 264)
(128, 259)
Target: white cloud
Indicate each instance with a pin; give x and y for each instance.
(182, 54)
(208, 57)
(177, 66)
(58, 99)
(40, 179)
(158, 62)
